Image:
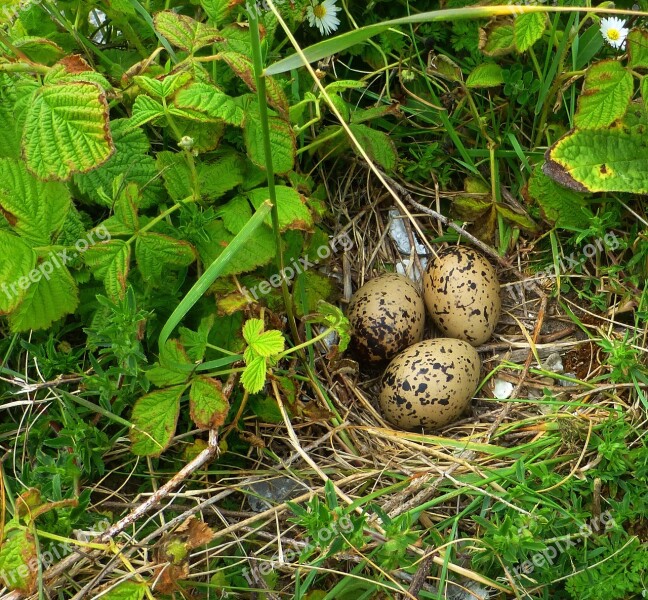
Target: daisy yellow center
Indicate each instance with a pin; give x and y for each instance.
(319, 11)
(613, 34)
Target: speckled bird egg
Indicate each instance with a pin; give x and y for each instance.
(429, 384)
(386, 314)
(461, 294)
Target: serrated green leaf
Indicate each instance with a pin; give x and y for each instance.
(67, 130)
(561, 207)
(176, 175)
(282, 141)
(242, 66)
(15, 271)
(222, 175)
(485, 75)
(235, 214)
(46, 301)
(132, 161)
(310, 287)
(528, 29)
(196, 342)
(165, 87)
(601, 160)
(156, 252)
(154, 417)
(332, 316)
(262, 343)
(19, 561)
(128, 199)
(378, 145)
(184, 32)
(498, 41)
(109, 262)
(637, 43)
(38, 49)
(22, 203)
(127, 590)
(212, 102)
(291, 206)
(208, 406)
(145, 109)
(74, 69)
(218, 10)
(169, 369)
(254, 376)
(15, 93)
(606, 95)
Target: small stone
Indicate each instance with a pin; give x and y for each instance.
(398, 233)
(502, 389)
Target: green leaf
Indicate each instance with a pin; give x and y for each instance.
(109, 262)
(235, 214)
(291, 206)
(485, 75)
(282, 142)
(74, 69)
(560, 206)
(224, 174)
(212, 102)
(254, 376)
(127, 590)
(22, 201)
(67, 130)
(601, 160)
(310, 287)
(145, 109)
(184, 32)
(156, 252)
(332, 316)
(165, 87)
(19, 561)
(128, 199)
(132, 161)
(208, 406)
(176, 174)
(528, 29)
(242, 66)
(637, 42)
(377, 145)
(169, 369)
(47, 300)
(498, 41)
(154, 417)
(606, 95)
(218, 10)
(196, 341)
(15, 271)
(261, 343)
(39, 50)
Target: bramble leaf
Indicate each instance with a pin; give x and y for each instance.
(261, 343)
(606, 95)
(66, 130)
(282, 141)
(637, 42)
(377, 144)
(560, 206)
(155, 416)
(254, 376)
(22, 202)
(485, 75)
(184, 32)
(217, 10)
(528, 29)
(497, 41)
(165, 372)
(131, 160)
(110, 261)
(208, 406)
(14, 271)
(260, 250)
(602, 160)
(127, 590)
(293, 212)
(212, 102)
(19, 561)
(156, 252)
(46, 301)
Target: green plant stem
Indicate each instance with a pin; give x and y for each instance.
(263, 113)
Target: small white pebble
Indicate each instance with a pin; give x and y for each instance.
(405, 267)
(502, 389)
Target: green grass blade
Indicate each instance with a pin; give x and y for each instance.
(213, 271)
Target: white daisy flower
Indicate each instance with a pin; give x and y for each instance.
(614, 31)
(322, 16)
